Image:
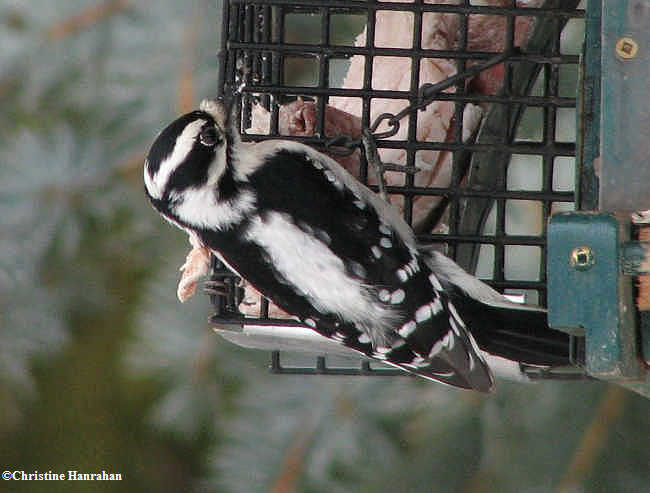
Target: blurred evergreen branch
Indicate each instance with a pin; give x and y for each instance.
(85, 19)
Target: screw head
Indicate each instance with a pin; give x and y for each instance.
(626, 48)
(582, 258)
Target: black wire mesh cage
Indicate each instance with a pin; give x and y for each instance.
(472, 106)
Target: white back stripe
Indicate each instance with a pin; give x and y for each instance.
(313, 269)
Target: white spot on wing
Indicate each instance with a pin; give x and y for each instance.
(386, 243)
(332, 179)
(383, 229)
(436, 306)
(376, 251)
(397, 296)
(423, 313)
(407, 329)
(435, 282)
(402, 275)
(384, 295)
(364, 339)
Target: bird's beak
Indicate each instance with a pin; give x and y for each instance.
(215, 109)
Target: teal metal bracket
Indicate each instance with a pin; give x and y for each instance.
(591, 294)
(625, 106)
(591, 260)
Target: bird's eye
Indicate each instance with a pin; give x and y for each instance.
(209, 136)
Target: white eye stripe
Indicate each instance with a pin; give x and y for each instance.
(182, 147)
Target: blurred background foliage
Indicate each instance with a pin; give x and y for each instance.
(102, 369)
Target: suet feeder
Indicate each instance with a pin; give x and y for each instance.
(562, 143)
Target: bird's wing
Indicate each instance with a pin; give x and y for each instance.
(411, 323)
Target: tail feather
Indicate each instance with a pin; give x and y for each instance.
(458, 362)
(500, 327)
(516, 334)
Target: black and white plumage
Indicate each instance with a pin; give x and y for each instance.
(321, 246)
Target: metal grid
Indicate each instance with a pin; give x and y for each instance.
(521, 132)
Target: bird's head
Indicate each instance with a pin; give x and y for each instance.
(189, 154)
